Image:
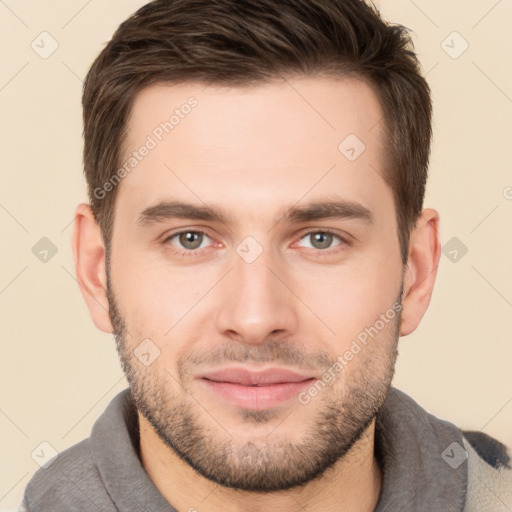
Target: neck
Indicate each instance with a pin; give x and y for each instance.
(352, 484)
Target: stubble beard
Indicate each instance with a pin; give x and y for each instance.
(344, 411)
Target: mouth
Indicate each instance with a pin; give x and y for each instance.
(255, 390)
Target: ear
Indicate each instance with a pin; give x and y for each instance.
(89, 256)
(421, 270)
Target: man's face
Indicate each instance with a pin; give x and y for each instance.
(247, 312)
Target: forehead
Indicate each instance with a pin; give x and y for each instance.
(324, 105)
(268, 143)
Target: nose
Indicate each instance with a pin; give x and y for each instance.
(255, 302)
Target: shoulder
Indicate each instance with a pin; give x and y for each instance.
(69, 482)
(489, 473)
(492, 451)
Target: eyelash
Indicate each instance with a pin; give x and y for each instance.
(197, 252)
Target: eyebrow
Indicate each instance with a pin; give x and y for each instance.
(337, 209)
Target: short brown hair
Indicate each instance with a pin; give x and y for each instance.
(242, 42)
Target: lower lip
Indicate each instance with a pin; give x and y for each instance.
(257, 397)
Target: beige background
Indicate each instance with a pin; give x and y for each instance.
(58, 372)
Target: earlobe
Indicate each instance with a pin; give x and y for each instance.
(89, 255)
(421, 270)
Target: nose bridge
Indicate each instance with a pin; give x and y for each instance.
(255, 302)
(255, 278)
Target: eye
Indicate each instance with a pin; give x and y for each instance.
(322, 239)
(189, 240)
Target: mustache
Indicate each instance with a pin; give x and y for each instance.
(277, 351)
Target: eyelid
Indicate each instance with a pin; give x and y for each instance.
(342, 235)
(178, 231)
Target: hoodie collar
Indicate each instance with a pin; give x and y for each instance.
(422, 458)
(115, 451)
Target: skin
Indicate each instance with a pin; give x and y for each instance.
(252, 153)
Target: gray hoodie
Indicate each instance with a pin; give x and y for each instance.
(428, 465)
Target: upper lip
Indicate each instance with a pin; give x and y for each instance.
(246, 377)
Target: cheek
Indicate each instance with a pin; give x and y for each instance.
(350, 298)
(156, 299)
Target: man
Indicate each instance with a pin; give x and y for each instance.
(256, 241)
